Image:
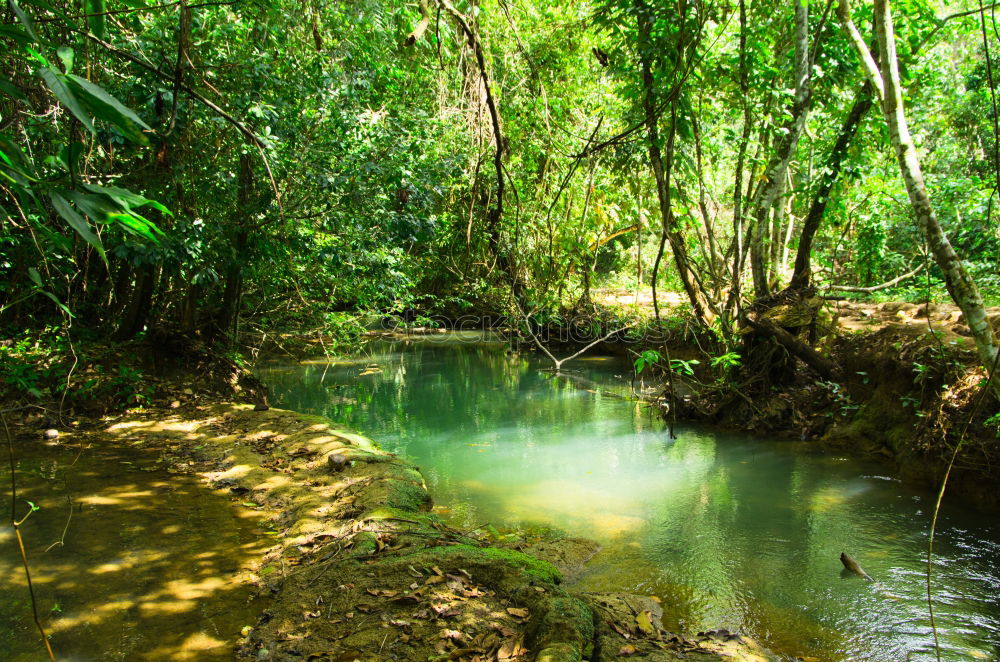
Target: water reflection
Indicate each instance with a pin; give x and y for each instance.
(729, 531)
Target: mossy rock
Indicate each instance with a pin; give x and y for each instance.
(565, 631)
(504, 569)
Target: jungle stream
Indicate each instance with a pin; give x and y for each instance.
(727, 530)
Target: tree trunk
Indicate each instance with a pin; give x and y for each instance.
(862, 103)
(886, 82)
(232, 293)
(785, 146)
(137, 311)
(662, 167)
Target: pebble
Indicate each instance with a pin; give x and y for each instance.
(51, 433)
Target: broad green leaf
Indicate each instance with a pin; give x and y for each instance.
(136, 225)
(65, 54)
(109, 109)
(14, 176)
(35, 277)
(16, 34)
(59, 303)
(37, 56)
(62, 92)
(126, 198)
(24, 19)
(76, 222)
(97, 207)
(104, 209)
(70, 154)
(11, 152)
(60, 241)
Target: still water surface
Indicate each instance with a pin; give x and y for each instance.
(728, 530)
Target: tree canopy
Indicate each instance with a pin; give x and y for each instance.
(206, 166)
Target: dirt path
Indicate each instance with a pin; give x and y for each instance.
(847, 316)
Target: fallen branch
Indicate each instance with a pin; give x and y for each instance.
(559, 362)
(799, 349)
(876, 288)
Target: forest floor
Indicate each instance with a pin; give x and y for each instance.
(906, 388)
(848, 316)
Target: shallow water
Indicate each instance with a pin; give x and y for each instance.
(728, 530)
(148, 564)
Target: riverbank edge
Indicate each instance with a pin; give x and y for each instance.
(904, 397)
(353, 525)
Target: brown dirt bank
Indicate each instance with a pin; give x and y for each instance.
(360, 570)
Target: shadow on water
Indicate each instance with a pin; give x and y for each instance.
(728, 530)
(129, 561)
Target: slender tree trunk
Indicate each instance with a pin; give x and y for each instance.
(140, 302)
(189, 308)
(862, 103)
(716, 262)
(887, 86)
(662, 167)
(735, 293)
(785, 146)
(778, 216)
(233, 291)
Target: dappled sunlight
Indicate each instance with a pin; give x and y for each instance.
(232, 473)
(151, 566)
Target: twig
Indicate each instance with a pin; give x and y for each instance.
(20, 542)
(62, 539)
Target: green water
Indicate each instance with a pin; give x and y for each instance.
(129, 562)
(728, 530)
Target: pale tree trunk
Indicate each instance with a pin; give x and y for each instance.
(774, 176)
(960, 285)
(789, 230)
(779, 214)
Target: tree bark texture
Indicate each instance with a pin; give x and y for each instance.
(886, 81)
(784, 148)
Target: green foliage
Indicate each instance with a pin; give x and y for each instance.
(682, 367)
(726, 361)
(994, 421)
(647, 358)
(338, 173)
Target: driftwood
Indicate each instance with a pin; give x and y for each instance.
(852, 566)
(875, 288)
(559, 362)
